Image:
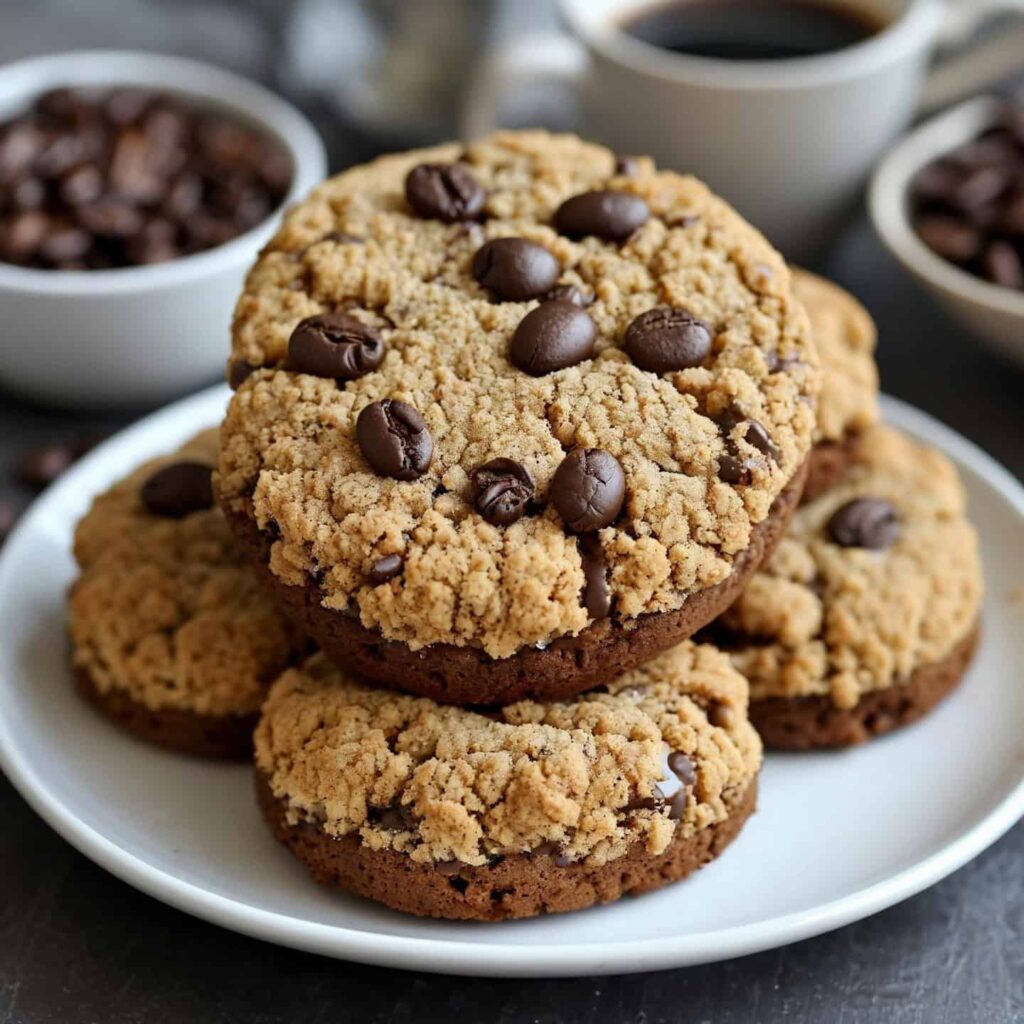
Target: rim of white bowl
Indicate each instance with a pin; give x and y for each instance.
(201, 82)
(889, 191)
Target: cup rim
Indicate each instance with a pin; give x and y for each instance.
(914, 28)
(887, 204)
(196, 79)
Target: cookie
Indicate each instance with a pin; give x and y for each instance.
(488, 814)
(845, 336)
(502, 399)
(172, 636)
(867, 614)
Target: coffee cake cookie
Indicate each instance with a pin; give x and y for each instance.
(867, 614)
(511, 419)
(845, 336)
(508, 812)
(172, 637)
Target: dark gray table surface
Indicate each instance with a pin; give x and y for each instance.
(76, 945)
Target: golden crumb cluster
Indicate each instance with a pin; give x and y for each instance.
(442, 783)
(842, 622)
(164, 609)
(291, 460)
(845, 336)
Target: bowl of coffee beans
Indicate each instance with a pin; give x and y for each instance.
(948, 202)
(135, 191)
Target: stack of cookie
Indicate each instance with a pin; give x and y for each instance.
(512, 423)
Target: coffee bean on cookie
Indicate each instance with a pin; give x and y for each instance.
(335, 345)
(667, 338)
(384, 569)
(588, 489)
(596, 596)
(864, 523)
(178, 490)
(551, 337)
(605, 213)
(502, 488)
(445, 192)
(515, 269)
(394, 439)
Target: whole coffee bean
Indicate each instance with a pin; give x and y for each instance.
(82, 185)
(950, 237)
(64, 244)
(394, 439)
(384, 569)
(596, 596)
(864, 523)
(551, 337)
(569, 293)
(445, 192)
(335, 345)
(588, 489)
(109, 218)
(1003, 266)
(1011, 220)
(515, 269)
(604, 213)
(502, 488)
(178, 490)
(667, 338)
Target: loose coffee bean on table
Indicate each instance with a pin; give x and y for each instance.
(95, 179)
(968, 206)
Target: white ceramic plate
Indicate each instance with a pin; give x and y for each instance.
(837, 837)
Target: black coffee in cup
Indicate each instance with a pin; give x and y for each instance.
(753, 29)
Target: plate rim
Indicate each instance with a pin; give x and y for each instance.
(458, 956)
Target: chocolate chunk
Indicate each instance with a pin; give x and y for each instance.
(238, 371)
(335, 345)
(551, 337)
(588, 489)
(596, 595)
(682, 768)
(720, 715)
(949, 237)
(515, 269)
(569, 293)
(734, 469)
(626, 166)
(384, 569)
(757, 436)
(644, 803)
(445, 192)
(394, 439)
(667, 338)
(864, 523)
(502, 488)
(178, 490)
(1003, 266)
(605, 213)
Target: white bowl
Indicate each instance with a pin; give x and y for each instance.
(993, 313)
(138, 334)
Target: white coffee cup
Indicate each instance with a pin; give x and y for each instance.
(788, 142)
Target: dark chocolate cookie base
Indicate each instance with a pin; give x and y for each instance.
(808, 723)
(467, 675)
(828, 463)
(522, 885)
(188, 732)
